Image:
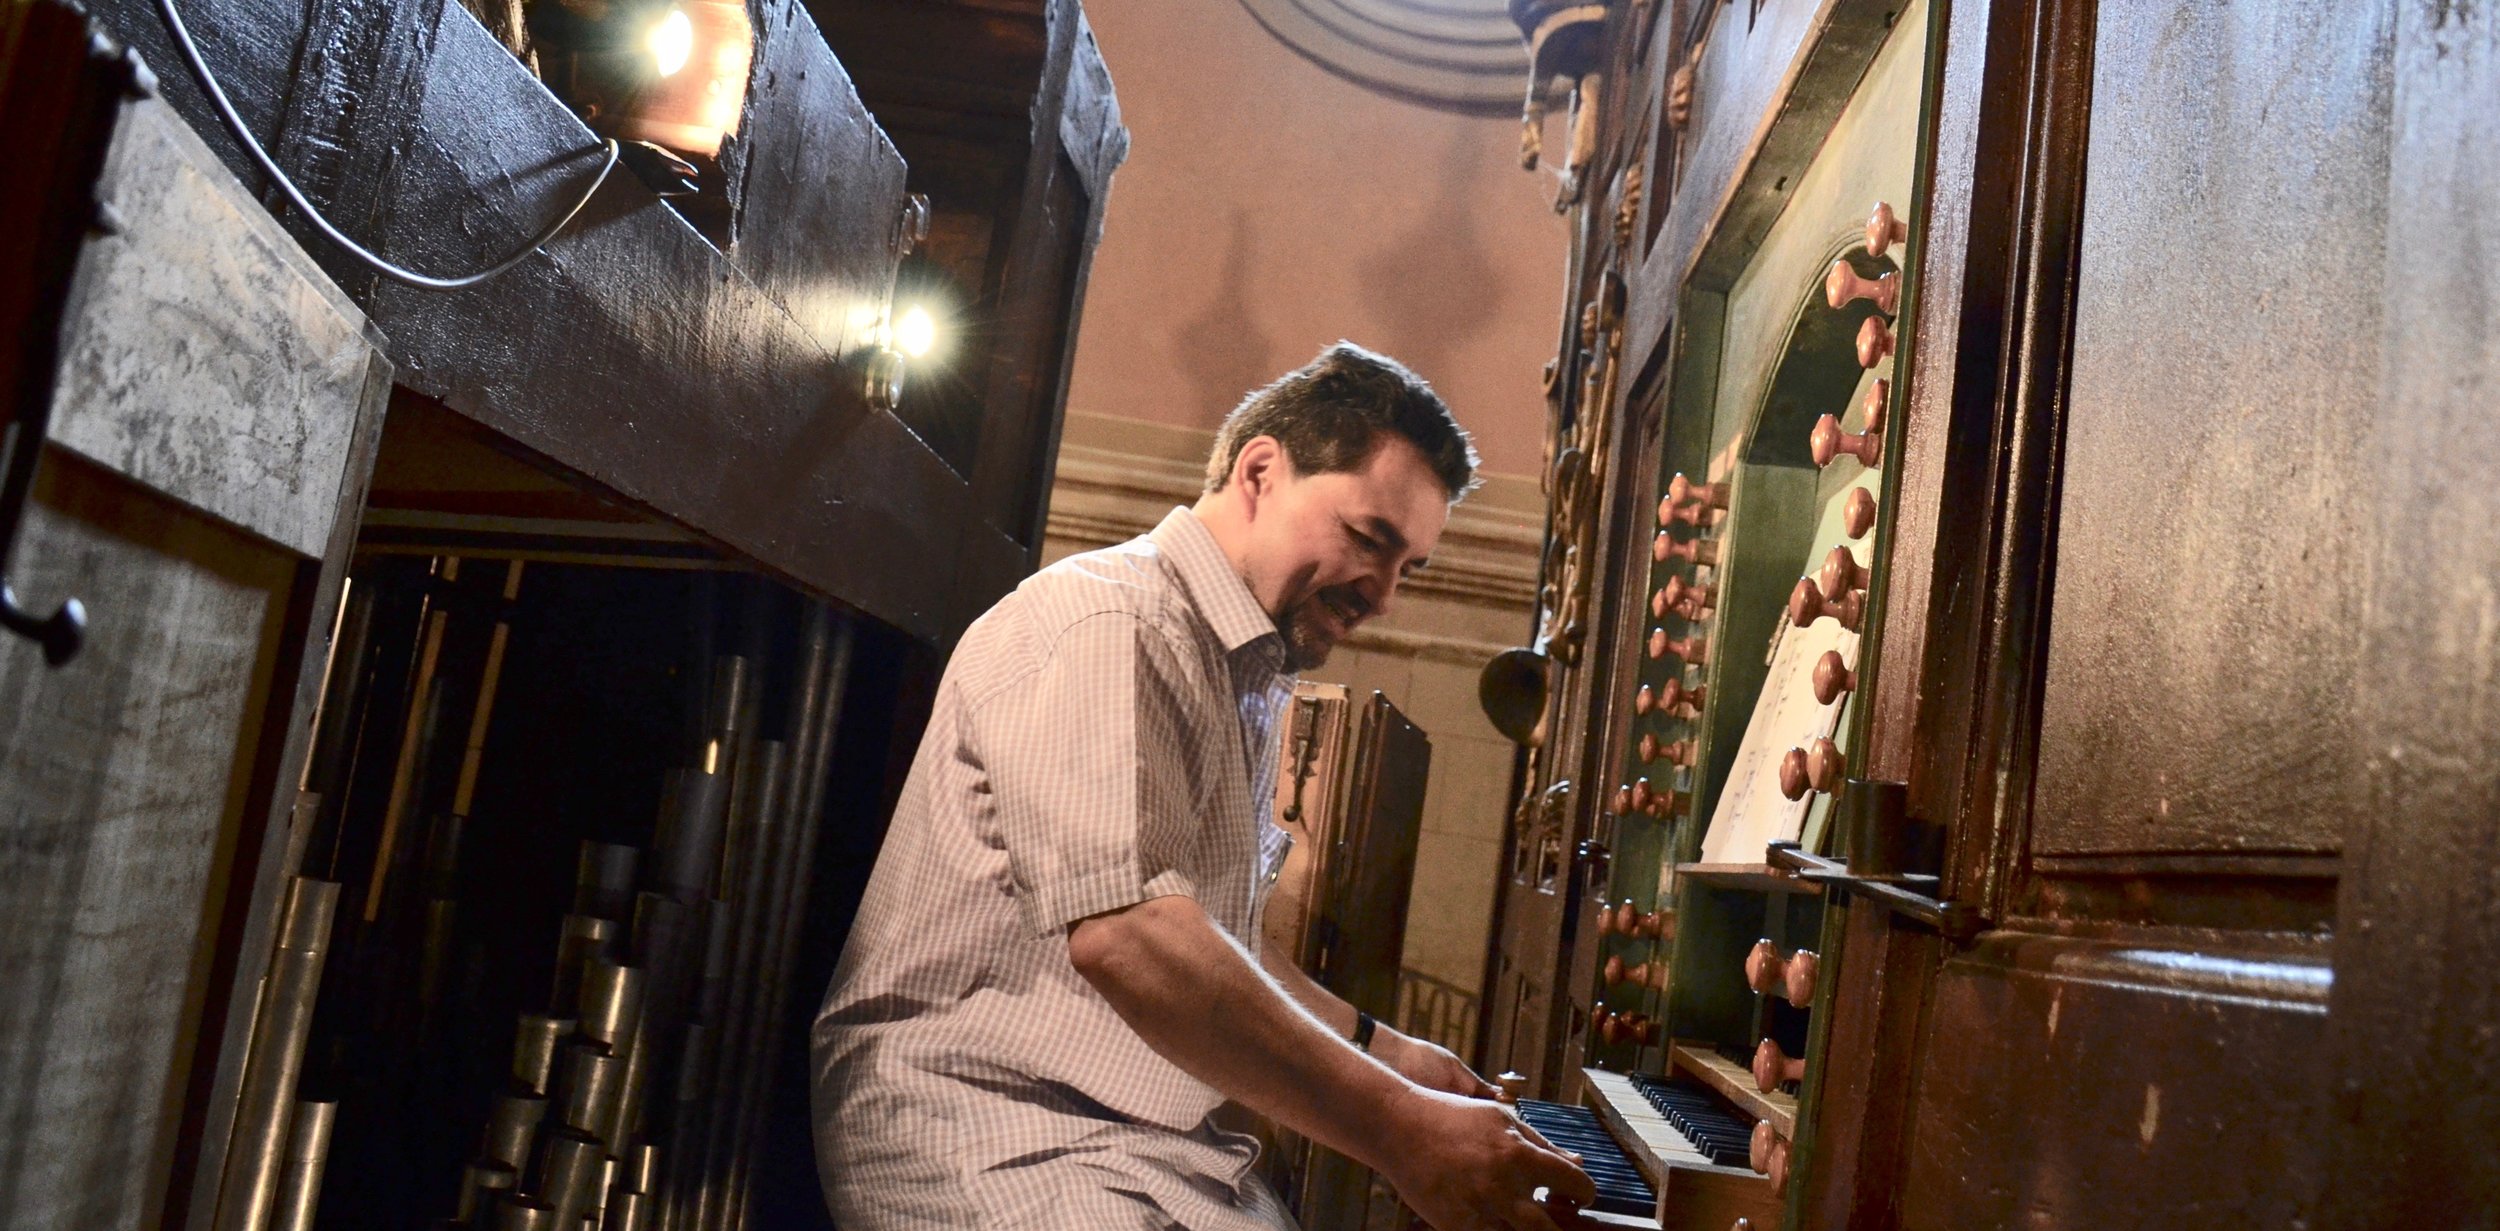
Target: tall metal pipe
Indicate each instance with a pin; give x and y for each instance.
(790, 902)
(570, 1170)
(604, 881)
(611, 1003)
(248, 1190)
(480, 1184)
(534, 1049)
(307, 1149)
(510, 1128)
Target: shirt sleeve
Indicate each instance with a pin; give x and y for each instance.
(1092, 774)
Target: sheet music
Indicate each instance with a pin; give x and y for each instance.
(1751, 812)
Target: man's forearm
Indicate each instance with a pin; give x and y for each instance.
(1332, 1010)
(1200, 1000)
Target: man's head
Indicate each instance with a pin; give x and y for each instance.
(1330, 487)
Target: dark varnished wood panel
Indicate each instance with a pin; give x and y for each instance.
(2417, 1076)
(2209, 548)
(124, 786)
(2080, 1084)
(709, 388)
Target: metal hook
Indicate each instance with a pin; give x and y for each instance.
(61, 634)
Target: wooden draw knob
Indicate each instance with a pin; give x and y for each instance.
(1832, 677)
(1614, 969)
(1758, 1151)
(1658, 603)
(1874, 342)
(1857, 512)
(1797, 982)
(1641, 795)
(1840, 574)
(1514, 1085)
(1829, 444)
(1688, 599)
(1666, 509)
(1622, 807)
(1682, 490)
(1657, 641)
(1825, 766)
(1647, 748)
(1773, 1067)
(1871, 411)
(1884, 229)
(1807, 604)
(1694, 649)
(1644, 700)
(1627, 918)
(1605, 913)
(1696, 551)
(1778, 1170)
(1793, 782)
(1680, 696)
(1679, 754)
(1763, 966)
(1665, 803)
(1843, 286)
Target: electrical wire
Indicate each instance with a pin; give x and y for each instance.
(295, 196)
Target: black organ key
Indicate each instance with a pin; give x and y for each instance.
(1620, 1188)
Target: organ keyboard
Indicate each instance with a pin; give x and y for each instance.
(1687, 1137)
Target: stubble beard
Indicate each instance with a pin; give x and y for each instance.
(1307, 642)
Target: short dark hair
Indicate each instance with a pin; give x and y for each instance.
(1331, 413)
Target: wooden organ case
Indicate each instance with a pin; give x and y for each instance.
(1350, 780)
(1948, 795)
(490, 698)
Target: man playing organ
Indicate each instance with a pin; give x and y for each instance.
(1048, 990)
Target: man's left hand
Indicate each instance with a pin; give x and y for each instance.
(1429, 1065)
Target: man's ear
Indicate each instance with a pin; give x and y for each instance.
(1259, 470)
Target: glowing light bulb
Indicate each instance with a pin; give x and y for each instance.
(670, 42)
(916, 332)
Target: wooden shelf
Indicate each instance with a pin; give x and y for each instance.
(1759, 877)
(1735, 1084)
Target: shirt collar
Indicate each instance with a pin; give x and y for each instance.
(1214, 588)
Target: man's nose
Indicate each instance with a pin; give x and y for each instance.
(1377, 589)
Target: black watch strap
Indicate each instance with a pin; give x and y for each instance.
(1364, 1025)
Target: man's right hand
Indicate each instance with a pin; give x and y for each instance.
(1467, 1164)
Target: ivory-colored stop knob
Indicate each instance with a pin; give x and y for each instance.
(1692, 600)
(1825, 765)
(1884, 229)
(1840, 574)
(1875, 342)
(1693, 649)
(1683, 490)
(1772, 1067)
(1644, 700)
(1857, 512)
(1793, 783)
(1807, 604)
(1694, 550)
(1844, 286)
(1679, 696)
(1829, 444)
(1871, 411)
(1832, 677)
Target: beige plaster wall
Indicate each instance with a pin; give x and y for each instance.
(1268, 209)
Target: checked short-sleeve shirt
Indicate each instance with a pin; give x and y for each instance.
(1103, 736)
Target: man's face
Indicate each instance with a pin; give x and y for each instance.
(1328, 550)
